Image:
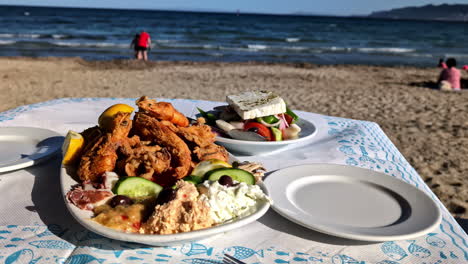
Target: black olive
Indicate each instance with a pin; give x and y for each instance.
(253, 129)
(166, 196)
(120, 200)
(226, 181)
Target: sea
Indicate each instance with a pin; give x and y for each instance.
(106, 34)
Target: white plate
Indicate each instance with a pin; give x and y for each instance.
(352, 202)
(26, 146)
(83, 217)
(308, 130)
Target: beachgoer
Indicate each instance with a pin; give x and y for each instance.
(442, 64)
(143, 44)
(134, 45)
(450, 76)
(465, 67)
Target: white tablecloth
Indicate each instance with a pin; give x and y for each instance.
(35, 226)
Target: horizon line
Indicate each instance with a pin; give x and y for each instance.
(204, 10)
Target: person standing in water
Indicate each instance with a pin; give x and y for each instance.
(134, 45)
(142, 45)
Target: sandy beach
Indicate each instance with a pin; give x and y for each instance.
(429, 127)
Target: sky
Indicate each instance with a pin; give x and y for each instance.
(324, 7)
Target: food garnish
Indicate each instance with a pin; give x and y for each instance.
(105, 119)
(236, 174)
(207, 165)
(72, 147)
(135, 187)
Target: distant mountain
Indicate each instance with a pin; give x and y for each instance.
(443, 12)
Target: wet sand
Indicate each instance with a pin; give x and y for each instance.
(429, 127)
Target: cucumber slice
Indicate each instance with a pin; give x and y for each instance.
(135, 187)
(236, 174)
(193, 179)
(277, 134)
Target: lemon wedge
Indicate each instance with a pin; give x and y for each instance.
(105, 118)
(72, 146)
(208, 165)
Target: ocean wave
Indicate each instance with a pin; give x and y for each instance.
(31, 36)
(455, 55)
(5, 35)
(90, 44)
(386, 50)
(49, 44)
(292, 39)
(175, 45)
(257, 47)
(7, 42)
(381, 50)
(59, 36)
(51, 36)
(164, 41)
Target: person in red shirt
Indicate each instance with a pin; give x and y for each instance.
(142, 45)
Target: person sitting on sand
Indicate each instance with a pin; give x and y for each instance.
(449, 78)
(134, 45)
(143, 44)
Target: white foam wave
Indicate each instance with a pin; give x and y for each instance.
(33, 36)
(58, 36)
(234, 48)
(454, 55)
(295, 48)
(90, 45)
(292, 39)
(369, 50)
(164, 41)
(256, 47)
(334, 48)
(6, 42)
(386, 50)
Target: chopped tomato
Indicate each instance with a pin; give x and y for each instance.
(260, 129)
(124, 217)
(288, 118)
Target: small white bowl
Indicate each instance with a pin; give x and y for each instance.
(251, 148)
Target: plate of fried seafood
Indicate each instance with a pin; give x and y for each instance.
(157, 178)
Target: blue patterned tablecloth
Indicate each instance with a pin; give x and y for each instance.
(35, 226)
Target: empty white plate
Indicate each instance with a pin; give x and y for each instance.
(244, 147)
(352, 202)
(26, 146)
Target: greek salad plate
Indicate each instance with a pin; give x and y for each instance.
(244, 147)
(26, 146)
(352, 202)
(84, 218)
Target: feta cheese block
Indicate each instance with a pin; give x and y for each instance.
(250, 105)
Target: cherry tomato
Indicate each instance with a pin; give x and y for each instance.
(260, 129)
